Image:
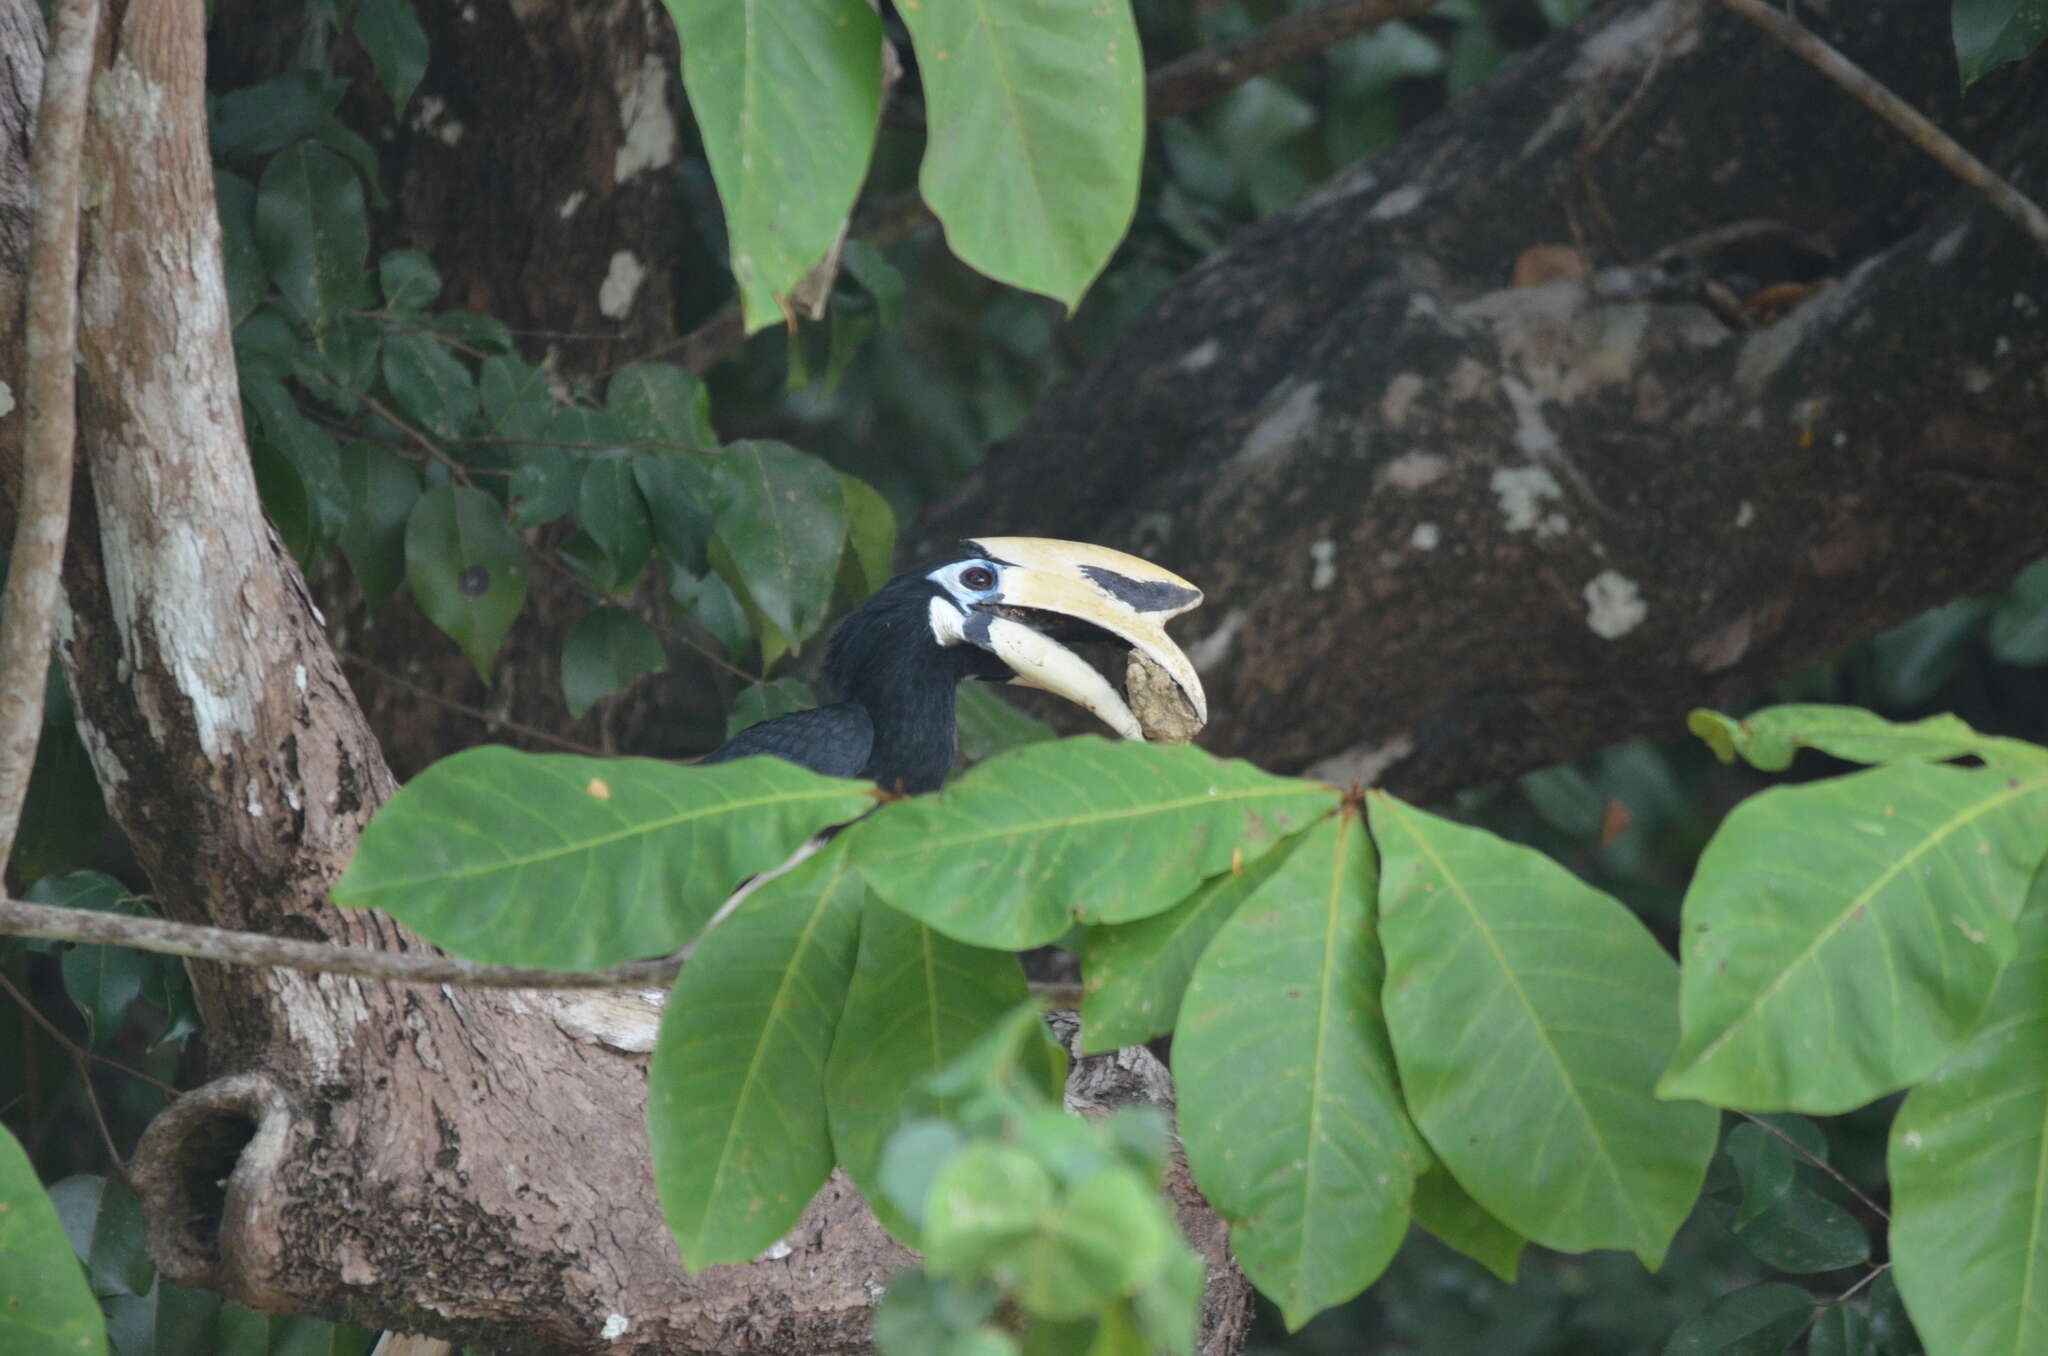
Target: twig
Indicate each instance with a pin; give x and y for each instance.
(1945, 149)
(163, 937)
(1174, 90)
(28, 611)
(1830, 1169)
(425, 693)
(78, 1060)
(1201, 78)
(1875, 1272)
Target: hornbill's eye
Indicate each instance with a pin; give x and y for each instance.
(978, 577)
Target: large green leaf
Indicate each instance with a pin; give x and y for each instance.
(736, 1091)
(1037, 118)
(1842, 938)
(314, 232)
(1989, 33)
(781, 527)
(45, 1303)
(572, 863)
(1289, 1106)
(1770, 737)
(467, 570)
(1531, 1014)
(1134, 974)
(785, 93)
(1025, 844)
(918, 999)
(1969, 1233)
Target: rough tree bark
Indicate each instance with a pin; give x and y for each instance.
(464, 1163)
(1451, 529)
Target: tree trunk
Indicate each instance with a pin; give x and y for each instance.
(1452, 529)
(470, 1163)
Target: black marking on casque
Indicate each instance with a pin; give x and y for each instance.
(1143, 595)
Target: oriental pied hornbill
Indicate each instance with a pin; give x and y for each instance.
(999, 612)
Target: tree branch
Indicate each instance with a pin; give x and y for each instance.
(1946, 150)
(28, 612)
(18, 918)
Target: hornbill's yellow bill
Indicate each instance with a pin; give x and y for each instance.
(1048, 590)
(1005, 610)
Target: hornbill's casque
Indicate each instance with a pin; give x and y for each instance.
(999, 612)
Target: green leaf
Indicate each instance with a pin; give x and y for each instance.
(1464, 1225)
(1804, 1232)
(45, 1303)
(1989, 33)
(1840, 939)
(678, 490)
(545, 483)
(1911, 661)
(1764, 1164)
(1313, 1160)
(921, 1315)
(381, 490)
(882, 280)
(710, 603)
(104, 1221)
(736, 1091)
(984, 1204)
(661, 402)
(1761, 1320)
(1841, 1331)
(2019, 628)
(608, 649)
(516, 399)
(1769, 738)
(268, 117)
(408, 278)
(757, 702)
(785, 97)
(1022, 846)
(609, 507)
(429, 383)
(1888, 1321)
(313, 232)
(911, 1160)
(1136, 973)
(467, 570)
(240, 259)
(1037, 130)
(305, 445)
(286, 500)
(781, 524)
(1109, 1233)
(870, 535)
(574, 863)
(1969, 1231)
(390, 32)
(917, 1000)
(344, 368)
(988, 725)
(1530, 1014)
